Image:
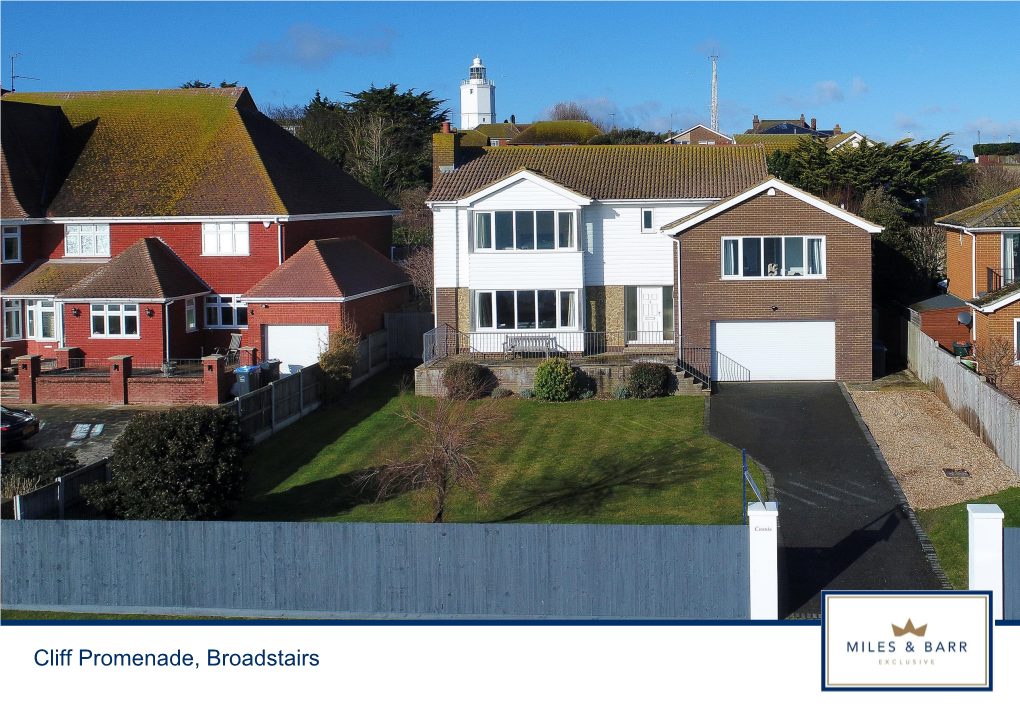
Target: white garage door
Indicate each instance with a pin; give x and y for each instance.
(775, 350)
(296, 346)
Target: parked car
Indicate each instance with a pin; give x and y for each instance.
(16, 426)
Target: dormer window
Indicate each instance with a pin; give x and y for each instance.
(87, 241)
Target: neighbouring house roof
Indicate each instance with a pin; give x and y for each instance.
(836, 140)
(617, 172)
(771, 183)
(142, 153)
(791, 125)
(29, 137)
(1002, 212)
(148, 269)
(49, 277)
(472, 139)
(333, 268)
(938, 302)
(991, 302)
(772, 142)
(556, 132)
(502, 130)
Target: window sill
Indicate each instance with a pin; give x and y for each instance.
(115, 337)
(226, 327)
(12, 262)
(488, 251)
(86, 257)
(771, 278)
(496, 331)
(225, 255)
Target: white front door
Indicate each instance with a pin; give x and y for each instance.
(296, 346)
(649, 319)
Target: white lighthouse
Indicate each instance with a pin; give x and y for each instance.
(477, 98)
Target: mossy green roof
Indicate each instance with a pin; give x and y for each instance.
(996, 295)
(771, 142)
(501, 130)
(185, 152)
(557, 132)
(1000, 212)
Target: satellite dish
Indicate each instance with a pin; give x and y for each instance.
(964, 318)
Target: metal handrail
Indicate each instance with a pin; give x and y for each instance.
(1000, 277)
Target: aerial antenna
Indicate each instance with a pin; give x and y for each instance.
(715, 94)
(17, 77)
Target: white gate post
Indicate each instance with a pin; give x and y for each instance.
(763, 525)
(984, 552)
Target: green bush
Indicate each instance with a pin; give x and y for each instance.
(25, 472)
(555, 380)
(621, 393)
(527, 394)
(502, 393)
(184, 464)
(466, 381)
(649, 380)
(586, 394)
(997, 149)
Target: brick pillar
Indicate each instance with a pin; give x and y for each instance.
(249, 356)
(120, 371)
(64, 356)
(214, 380)
(28, 370)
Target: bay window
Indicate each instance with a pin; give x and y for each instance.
(12, 319)
(224, 239)
(90, 240)
(526, 309)
(114, 320)
(790, 256)
(40, 320)
(225, 311)
(524, 230)
(12, 244)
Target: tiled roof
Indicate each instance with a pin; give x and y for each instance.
(147, 269)
(176, 152)
(556, 132)
(501, 130)
(996, 295)
(837, 139)
(472, 139)
(1001, 212)
(767, 124)
(772, 142)
(27, 152)
(615, 171)
(333, 268)
(50, 277)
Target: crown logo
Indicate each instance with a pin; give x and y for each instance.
(909, 628)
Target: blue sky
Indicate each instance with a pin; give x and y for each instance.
(886, 69)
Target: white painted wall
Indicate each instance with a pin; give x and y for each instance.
(444, 228)
(520, 269)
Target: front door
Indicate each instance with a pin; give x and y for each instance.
(649, 324)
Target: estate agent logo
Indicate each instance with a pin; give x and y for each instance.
(952, 649)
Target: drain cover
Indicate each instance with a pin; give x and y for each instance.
(956, 473)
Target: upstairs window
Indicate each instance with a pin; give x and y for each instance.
(791, 256)
(524, 230)
(224, 239)
(12, 244)
(225, 311)
(190, 317)
(87, 241)
(647, 225)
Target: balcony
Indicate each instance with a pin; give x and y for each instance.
(1000, 277)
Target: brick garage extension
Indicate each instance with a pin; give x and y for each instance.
(843, 296)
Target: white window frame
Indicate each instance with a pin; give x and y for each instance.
(219, 302)
(1016, 340)
(33, 319)
(570, 247)
(11, 232)
(476, 307)
(1006, 264)
(806, 237)
(641, 220)
(190, 315)
(115, 310)
(76, 233)
(226, 238)
(14, 308)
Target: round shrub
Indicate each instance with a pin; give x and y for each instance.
(466, 381)
(621, 393)
(527, 394)
(502, 393)
(555, 380)
(25, 472)
(586, 394)
(184, 464)
(649, 380)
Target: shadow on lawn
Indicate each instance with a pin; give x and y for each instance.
(324, 498)
(605, 479)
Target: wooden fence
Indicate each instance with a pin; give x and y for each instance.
(280, 403)
(371, 357)
(404, 333)
(378, 570)
(62, 498)
(991, 414)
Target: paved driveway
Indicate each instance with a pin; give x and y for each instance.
(840, 521)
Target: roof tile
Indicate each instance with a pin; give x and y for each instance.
(146, 269)
(1000, 212)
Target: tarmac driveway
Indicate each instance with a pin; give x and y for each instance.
(840, 522)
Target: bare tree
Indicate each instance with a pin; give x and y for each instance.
(576, 111)
(413, 227)
(336, 361)
(419, 266)
(926, 246)
(369, 150)
(997, 359)
(444, 452)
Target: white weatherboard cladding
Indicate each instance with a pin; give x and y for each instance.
(774, 350)
(514, 270)
(296, 346)
(525, 194)
(445, 246)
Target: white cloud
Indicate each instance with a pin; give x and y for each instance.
(709, 47)
(858, 88)
(905, 122)
(312, 46)
(993, 131)
(930, 110)
(826, 91)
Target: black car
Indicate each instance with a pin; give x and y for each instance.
(16, 426)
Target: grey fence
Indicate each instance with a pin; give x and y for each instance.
(404, 333)
(1011, 574)
(62, 498)
(368, 570)
(991, 414)
(371, 357)
(280, 403)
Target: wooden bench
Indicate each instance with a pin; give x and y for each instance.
(529, 344)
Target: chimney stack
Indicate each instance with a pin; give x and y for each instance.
(814, 123)
(755, 123)
(836, 130)
(513, 119)
(446, 126)
(445, 150)
(802, 119)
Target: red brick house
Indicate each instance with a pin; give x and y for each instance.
(134, 222)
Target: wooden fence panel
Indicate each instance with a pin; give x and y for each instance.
(405, 332)
(383, 570)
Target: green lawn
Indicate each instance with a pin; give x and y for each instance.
(633, 461)
(9, 615)
(947, 529)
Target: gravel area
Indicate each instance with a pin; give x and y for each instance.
(919, 437)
